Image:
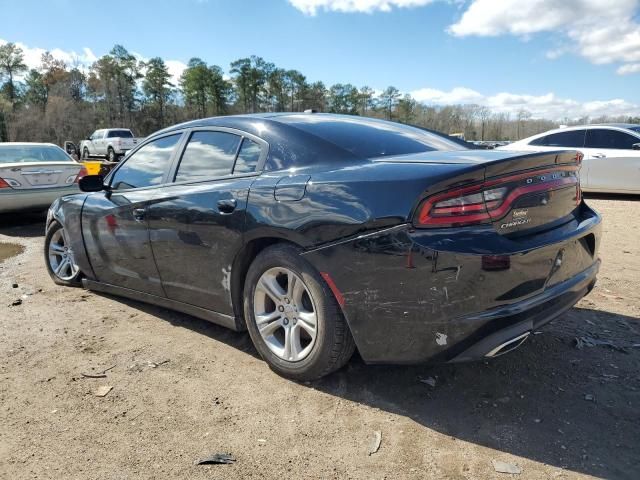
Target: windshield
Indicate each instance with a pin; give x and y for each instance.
(32, 153)
(635, 129)
(120, 134)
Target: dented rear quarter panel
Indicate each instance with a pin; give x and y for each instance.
(413, 295)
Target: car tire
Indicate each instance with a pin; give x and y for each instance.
(59, 257)
(85, 153)
(111, 155)
(310, 355)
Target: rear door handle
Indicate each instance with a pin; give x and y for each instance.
(139, 214)
(227, 205)
(599, 155)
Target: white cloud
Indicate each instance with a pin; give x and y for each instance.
(311, 7)
(541, 106)
(33, 55)
(629, 68)
(458, 95)
(602, 31)
(84, 59)
(176, 67)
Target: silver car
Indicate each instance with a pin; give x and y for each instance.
(33, 175)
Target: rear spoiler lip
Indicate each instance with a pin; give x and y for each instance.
(533, 161)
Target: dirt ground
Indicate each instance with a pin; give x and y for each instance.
(184, 389)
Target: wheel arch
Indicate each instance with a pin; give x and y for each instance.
(242, 261)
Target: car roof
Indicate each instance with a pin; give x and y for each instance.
(289, 119)
(618, 125)
(623, 126)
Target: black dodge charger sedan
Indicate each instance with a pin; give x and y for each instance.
(324, 233)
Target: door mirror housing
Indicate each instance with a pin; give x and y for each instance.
(635, 146)
(92, 183)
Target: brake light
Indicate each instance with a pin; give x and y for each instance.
(82, 173)
(491, 200)
(4, 184)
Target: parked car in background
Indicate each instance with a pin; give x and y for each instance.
(611, 161)
(319, 233)
(33, 175)
(111, 143)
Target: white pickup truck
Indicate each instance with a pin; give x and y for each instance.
(111, 143)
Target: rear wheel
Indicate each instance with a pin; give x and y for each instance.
(59, 257)
(292, 316)
(111, 155)
(85, 153)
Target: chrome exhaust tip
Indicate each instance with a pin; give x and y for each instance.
(508, 346)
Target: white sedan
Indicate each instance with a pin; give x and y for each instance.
(33, 175)
(611, 154)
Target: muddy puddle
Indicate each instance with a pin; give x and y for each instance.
(8, 250)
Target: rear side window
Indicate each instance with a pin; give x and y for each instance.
(119, 134)
(570, 139)
(208, 155)
(248, 157)
(369, 138)
(147, 166)
(603, 138)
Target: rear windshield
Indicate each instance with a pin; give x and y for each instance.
(32, 153)
(369, 138)
(119, 134)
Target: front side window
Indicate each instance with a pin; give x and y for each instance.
(208, 155)
(147, 166)
(570, 139)
(614, 139)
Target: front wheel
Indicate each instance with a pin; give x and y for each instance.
(293, 317)
(59, 257)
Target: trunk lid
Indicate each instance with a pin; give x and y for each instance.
(36, 175)
(521, 192)
(543, 190)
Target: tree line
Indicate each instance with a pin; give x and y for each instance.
(56, 101)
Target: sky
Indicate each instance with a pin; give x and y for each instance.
(557, 59)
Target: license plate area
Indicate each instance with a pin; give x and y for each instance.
(42, 178)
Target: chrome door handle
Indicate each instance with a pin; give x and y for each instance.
(227, 205)
(599, 155)
(139, 214)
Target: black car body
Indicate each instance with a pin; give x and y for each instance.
(432, 252)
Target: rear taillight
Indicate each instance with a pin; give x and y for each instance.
(83, 172)
(4, 184)
(491, 200)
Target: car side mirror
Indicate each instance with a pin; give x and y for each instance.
(92, 183)
(635, 146)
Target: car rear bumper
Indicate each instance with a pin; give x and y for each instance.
(13, 200)
(413, 295)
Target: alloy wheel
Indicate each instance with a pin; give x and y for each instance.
(61, 259)
(285, 314)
